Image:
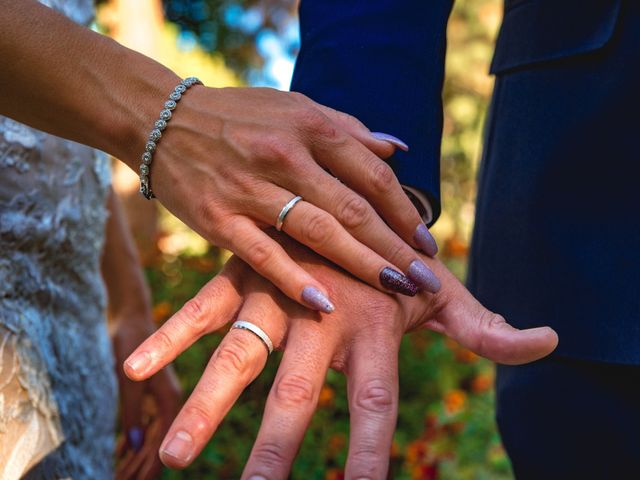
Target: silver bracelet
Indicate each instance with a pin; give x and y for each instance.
(156, 133)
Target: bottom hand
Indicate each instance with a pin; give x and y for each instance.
(361, 338)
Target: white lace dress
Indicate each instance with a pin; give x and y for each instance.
(58, 391)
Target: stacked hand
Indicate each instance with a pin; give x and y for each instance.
(361, 339)
(290, 146)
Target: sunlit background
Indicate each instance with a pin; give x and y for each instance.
(446, 427)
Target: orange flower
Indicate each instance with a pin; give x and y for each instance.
(326, 396)
(396, 451)
(466, 356)
(161, 311)
(334, 474)
(482, 383)
(416, 451)
(454, 401)
(337, 443)
(424, 472)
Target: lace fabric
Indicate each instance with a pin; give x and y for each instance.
(58, 391)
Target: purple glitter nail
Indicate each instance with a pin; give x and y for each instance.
(397, 282)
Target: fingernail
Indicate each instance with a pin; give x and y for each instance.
(180, 446)
(317, 299)
(257, 477)
(139, 362)
(385, 137)
(425, 240)
(135, 438)
(423, 276)
(397, 282)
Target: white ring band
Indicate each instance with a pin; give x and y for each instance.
(283, 213)
(257, 331)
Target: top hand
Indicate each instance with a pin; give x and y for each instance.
(229, 160)
(361, 339)
(251, 150)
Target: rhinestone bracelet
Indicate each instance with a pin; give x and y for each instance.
(156, 133)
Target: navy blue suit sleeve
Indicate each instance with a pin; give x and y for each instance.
(381, 61)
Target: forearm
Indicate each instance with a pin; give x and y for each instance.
(67, 80)
(123, 276)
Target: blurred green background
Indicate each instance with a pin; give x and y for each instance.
(446, 427)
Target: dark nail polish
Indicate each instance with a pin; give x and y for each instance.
(135, 438)
(385, 137)
(397, 282)
(425, 240)
(317, 299)
(423, 276)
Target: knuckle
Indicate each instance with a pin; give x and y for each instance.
(294, 391)
(233, 358)
(365, 462)
(319, 229)
(311, 118)
(196, 418)
(487, 324)
(163, 341)
(354, 211)
(260, 253)
(382, 177)
(269, 455)
(396, 251)
(375, 396)
(274, 148)
(194, 315)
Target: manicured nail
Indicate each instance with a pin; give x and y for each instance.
(423, 276)
(385, 137)
(317, 299)
(257, 477)
(139, 362)
(135, 438)
(180, 446)
(397, 282)
(425, 240)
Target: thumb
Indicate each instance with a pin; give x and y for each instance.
(488, 334)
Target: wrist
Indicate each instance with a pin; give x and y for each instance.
(134, 98)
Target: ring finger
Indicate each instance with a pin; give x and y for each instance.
(237, 361)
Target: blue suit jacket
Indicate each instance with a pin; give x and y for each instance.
(558, 216)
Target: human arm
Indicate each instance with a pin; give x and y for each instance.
(129, 309)
(229, 158)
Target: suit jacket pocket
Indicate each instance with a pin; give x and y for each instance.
(536, 31)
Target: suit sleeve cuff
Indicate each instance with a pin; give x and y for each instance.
(421, 202)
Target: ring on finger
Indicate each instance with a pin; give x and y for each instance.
(257, 331)
(285, 210)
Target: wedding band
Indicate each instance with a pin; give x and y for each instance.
(286, 209)
(257, 331)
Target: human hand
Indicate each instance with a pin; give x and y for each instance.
(361, 339)
(231, 159)
(146, 408)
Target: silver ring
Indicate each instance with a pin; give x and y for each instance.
(257, 331)
(286, 209)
